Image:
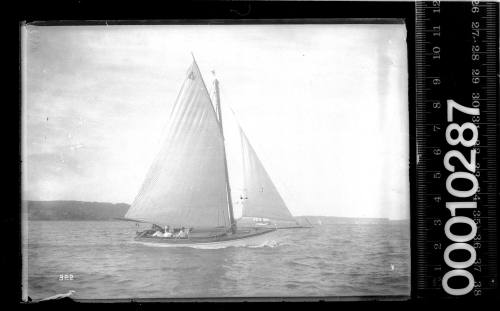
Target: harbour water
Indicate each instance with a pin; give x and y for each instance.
(100, 260)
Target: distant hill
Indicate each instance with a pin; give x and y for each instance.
(80, 210)
(75, 210)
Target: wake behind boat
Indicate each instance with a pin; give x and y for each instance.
(186, 194)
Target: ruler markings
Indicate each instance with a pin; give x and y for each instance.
(429, 139)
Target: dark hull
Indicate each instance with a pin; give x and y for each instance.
(242, 234)
(296, 227)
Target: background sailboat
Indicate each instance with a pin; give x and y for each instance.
(188, 184)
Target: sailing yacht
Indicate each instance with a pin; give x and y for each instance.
(188, 187)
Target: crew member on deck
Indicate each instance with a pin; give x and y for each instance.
(167, 233)
(157, 233)
(156, 227)
(182, 233)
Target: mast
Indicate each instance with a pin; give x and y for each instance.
(228, 187)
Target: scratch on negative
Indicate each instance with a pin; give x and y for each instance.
(244, 14)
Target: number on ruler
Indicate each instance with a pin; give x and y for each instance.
(467, 110)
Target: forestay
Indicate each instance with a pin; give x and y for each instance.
(186, 184)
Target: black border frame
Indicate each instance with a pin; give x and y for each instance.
(76, 12)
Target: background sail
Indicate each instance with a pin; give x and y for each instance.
(186, 185)
(261, 198)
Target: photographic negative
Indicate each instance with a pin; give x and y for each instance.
(215, 161)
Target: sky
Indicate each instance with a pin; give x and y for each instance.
(324, 106)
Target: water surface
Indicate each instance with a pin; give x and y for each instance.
(349, 258)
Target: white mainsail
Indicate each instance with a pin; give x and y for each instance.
(260, 198)
(186, 185)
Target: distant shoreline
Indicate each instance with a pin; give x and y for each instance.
(102, 211)
(75, 210)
